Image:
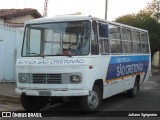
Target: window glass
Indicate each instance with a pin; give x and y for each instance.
(32, 44)
(115, 46)
(117, 32)
(137, 47)
(52, 42)
(114, 38)
(104, 46)
(57, 39)
(136, 36)
(35, 39)
(114, 32)
(111, 31)
(127, 47)
(69, 39)
(145, 48)
(94, 42)
(126, 34)
(144, 37)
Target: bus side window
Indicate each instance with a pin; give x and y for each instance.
(103, 38)
(126, 40)
(136, 41)
(94, 41)
(144, 41)
(114, 37)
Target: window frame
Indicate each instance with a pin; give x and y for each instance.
(127, 40)
(102, 40)
(115, 39)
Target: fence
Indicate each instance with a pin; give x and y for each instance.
(10, 48)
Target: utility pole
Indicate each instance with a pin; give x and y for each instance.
(45, 12)
(106, 9)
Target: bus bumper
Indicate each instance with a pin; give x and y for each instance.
(52, 92)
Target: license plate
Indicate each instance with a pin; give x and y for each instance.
(45, 93)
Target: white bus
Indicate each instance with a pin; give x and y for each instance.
(80, 57)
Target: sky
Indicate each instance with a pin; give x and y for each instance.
(95, 8)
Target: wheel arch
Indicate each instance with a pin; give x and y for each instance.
(137, 79)
(99, 84)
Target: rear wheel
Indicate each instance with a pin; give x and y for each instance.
(92, 102)
(133, 92)
(32, 103)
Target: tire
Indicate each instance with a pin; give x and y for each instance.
(32, 103)
(92, 102)
(133, 92)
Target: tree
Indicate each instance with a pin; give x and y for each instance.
(154, 9)
(144, 20)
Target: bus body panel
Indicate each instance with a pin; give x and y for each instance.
(64, 65)
(122, 71)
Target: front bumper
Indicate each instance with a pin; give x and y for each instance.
(66, 93)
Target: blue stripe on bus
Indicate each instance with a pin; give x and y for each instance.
(120, 59)
(120, 66)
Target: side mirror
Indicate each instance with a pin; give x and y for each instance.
(103, 30)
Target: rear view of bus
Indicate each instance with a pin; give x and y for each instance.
(78, 58)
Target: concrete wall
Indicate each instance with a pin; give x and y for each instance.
(21, 19)
(10, 48)
(156, 59)
(1, 21)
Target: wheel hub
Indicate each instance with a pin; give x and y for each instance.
(93, 99)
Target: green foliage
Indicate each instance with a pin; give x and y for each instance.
(144, 20)
(154, 9)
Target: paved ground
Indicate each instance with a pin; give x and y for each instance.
(9, 100)
(8, 89)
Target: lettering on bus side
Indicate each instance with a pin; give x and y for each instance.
(45, 62)
(127, 65)
(124, 69)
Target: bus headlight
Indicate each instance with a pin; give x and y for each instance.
(75, 78)
(23, 78)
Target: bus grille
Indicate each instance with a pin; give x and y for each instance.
(47, 78)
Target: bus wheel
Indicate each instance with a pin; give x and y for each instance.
(32, 103)
(92, 102)
(133, 92)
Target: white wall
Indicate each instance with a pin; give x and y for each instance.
(1, 21)
(156, 59)
(10, 48)
(21, 19)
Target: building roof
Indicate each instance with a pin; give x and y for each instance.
(12, 13)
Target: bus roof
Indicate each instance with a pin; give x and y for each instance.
(61, 18)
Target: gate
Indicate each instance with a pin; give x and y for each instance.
(10, 47)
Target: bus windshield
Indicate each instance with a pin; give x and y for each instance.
(57, 39)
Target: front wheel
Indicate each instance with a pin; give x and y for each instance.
(92, 102)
